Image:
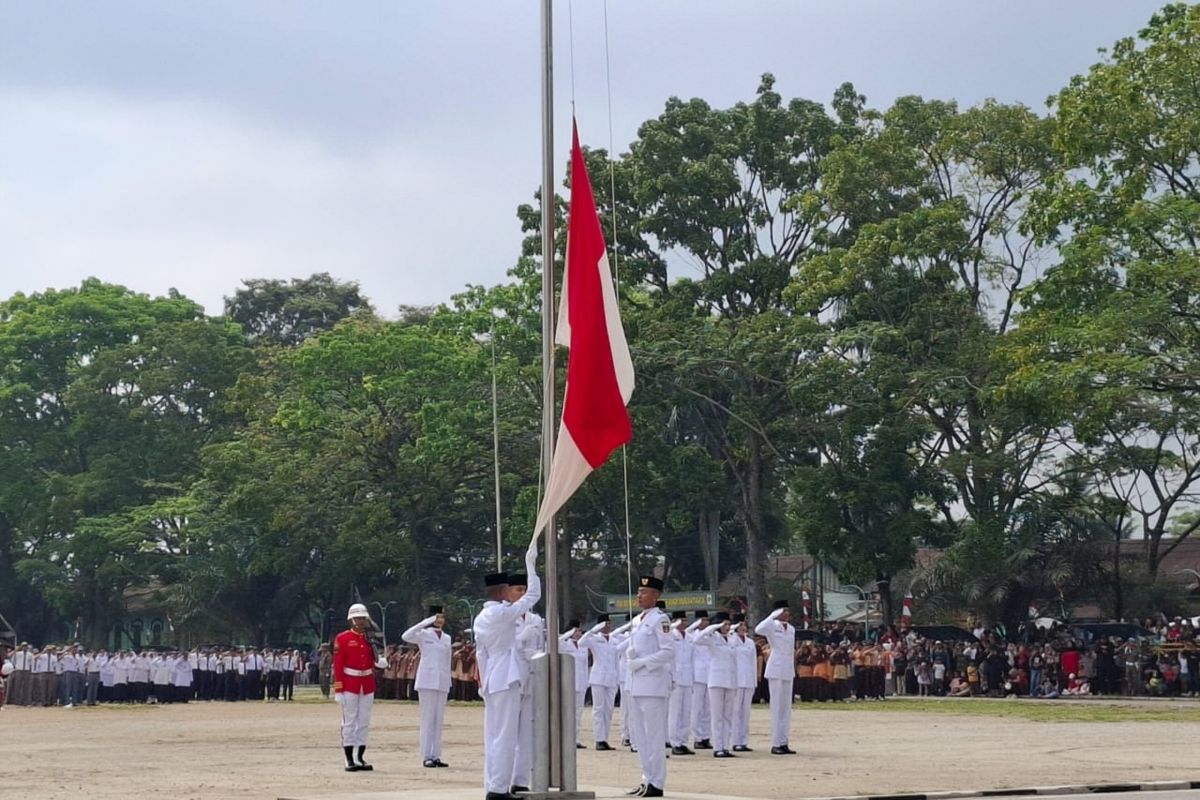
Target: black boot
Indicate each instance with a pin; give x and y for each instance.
(350, 765)
(362, 765)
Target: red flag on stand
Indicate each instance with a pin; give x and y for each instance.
(906, 611)
(595, 420)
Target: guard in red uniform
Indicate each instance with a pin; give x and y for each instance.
(354, 663)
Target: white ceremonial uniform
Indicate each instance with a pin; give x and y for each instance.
(779, 672)
(701, 722)
(651, 657)
(679, 715)
(722, 682)
(747, 679)
(432, 682)
(580, 654)
(500, 681)
(531, 640)
(603, 678)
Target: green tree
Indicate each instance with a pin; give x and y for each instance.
(106, 398)
(1111, 332)
(286, 313)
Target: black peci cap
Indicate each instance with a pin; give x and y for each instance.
(720, 617)
(738, 618)
(701, 614)
(651, 582)
(518, 580)
(435, 609)
(572, 623)
(678, 615)
(496, 579)
(602, 618)
(780, 604)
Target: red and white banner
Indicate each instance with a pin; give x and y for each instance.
(805, 609)
(906, 611)
(599, 369)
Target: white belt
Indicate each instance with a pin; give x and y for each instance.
(359, 673)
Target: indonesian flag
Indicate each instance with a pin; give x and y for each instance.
(906, 611)
(805, 609)
(599, 370)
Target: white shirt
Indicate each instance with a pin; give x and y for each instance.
(495, 637)
(433, 670)
(781, 636)
(651, 655)
(605, 651)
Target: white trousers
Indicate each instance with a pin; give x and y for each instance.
(623, 724)
(741, 717)
(523, 757)
(648, 725)
(433, 717)
(580, 696)
(781, 710)
(356, 718)
(501, 711)
(602, 711)
(721, 701)
(679, 715)
(701, 718)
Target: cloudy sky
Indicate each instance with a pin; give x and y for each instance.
(162, 143)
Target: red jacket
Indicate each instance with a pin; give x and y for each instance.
(353, 663)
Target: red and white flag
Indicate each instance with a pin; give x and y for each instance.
(805, 609)
(906, 611)
(1033, 610)
(599, 369)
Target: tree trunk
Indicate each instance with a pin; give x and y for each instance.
(710, 549)
(755, 526)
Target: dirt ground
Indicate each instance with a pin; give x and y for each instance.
(208, 751)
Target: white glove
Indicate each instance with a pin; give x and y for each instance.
(425, 623)
(599, 626)
(381, 663)
(337, 698)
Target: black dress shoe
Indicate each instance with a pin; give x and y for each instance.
(787, 750)
(501, 796)
(516, 789)
(652, 791)
(604, 746)
(365, 767)
(353, 768)
(682, 750)
(437, 762)
(430, 763)
(741, 748)
(637, 792)
(625, 743)
(580, 746)
(703, 744)
(723, 754)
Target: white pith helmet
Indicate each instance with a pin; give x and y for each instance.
(357, 610)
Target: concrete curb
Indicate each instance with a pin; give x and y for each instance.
(1096, 788)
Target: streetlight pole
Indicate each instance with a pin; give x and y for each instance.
(471, 619)
(383, 616)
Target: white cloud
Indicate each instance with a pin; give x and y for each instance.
(188, 195)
